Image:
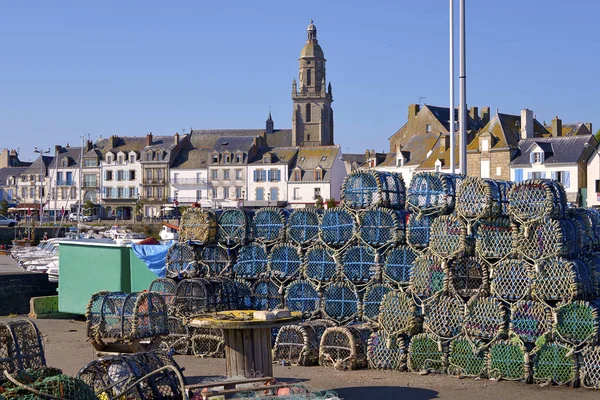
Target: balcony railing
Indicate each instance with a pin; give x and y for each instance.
(64, 182)
(185, 200)
(154, 181)
(90, 184)
(187, 181)
(111, 197)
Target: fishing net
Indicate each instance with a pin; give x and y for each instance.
(589, 367)
(584, 222)
(215, 259)
(337, 227)
(549, 238)
(340, 302)
(266, 295)
(561, 279)
(432, 193)
(479, 198)
(178, 339)
(594, 216)
(530, 319)
(577, 322)
(400, 315)
(252, 262)
(45, 383)
(299, 344)
(511, 280)
(181, 261)
(427, 277)
(426, 353)
(284, 262)
(126, 316)
(379, 227)
(372, 300)
(166, 288)
(418, 230)
(302, 296)
(320, 265)
(20, 346)
(485, 318)
(444, 316)
(198, 226)
(469, 276)
(554, 363)
(303, 226)
(592, 260)
(494, 238)
(207, 342)
(268, 225)
(365, 189)
(508, 360)
(534, 199)
(234, 227)
(243, 289)
(201, 295)
(398, 264)
(359, 263)
(345, 348)
(467, 358)
(448, 237)
(387, 352)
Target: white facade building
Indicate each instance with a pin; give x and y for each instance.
(268, 177)
(188, 179)
(121, 174)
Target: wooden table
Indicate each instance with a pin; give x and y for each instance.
(248, 349)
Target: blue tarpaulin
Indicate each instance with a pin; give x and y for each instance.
(154, 256)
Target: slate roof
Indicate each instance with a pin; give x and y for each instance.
(558, 150)
(279, 155)
(570, 129)
(506, 132)
(208, 138)
(390, 160)
(34, 168)
(191, 159)
(418, 147)
(234, 144)
(71, 153)
(124, 144)
(442, 114)
(311, 158)
(7, 172)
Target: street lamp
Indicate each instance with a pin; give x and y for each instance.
(41, 153)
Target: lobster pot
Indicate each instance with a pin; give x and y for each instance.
(198, 296)
(177, 341)
(359, 264)
(577, 322)
(367, 189)
(592, 260)
(427, 277)
(20, 346)
(536, 198)
(113, 375)
(469, 276)
(302, 296)
(479, 198)
(198, 226)
(561, 279)
(319, 265)
(209, 343)
(337, 227)
(548, 238)
(45, 383)
(268, 225)
(379, 227)
(466, 358)
(418, 230)
(266, 295)
(303, 226)
(432, 193)
(299, 344)
(553, 363)
(398, 264)
(372, 301)
(448, 237)
(589, 367)
(131, 316)
(529, 320)
(508, 360)
(584, 222)
(400, 315)
(345, 348)
(385, 352)
(426, 353)
(511, 280)
(166, 288)
(181, 261)
(252, 262)
(485, 318)
(215, 259)
(233, 227)
(243, 289)
(594, 216)
(284, 262)
(494, 238)
(444, 316)
(340, 302)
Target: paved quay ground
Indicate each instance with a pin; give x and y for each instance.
(8, 266)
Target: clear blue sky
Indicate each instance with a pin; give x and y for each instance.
(69, 68)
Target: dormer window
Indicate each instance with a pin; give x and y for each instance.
(215, 158)
(297, 175)
(109, 159)
(64, 162)
(121, 159)
(537, 157)
(485, 145)
(227, 158)
(428, 128)
(132, 158)
(238, 158)
(318, 174)
(438, 165)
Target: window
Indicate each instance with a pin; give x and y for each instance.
(537, 157)
(214, 174)
(90, 163)
(73, 193)
(109, 159)
(132, 175)
(260, 194)
(317, 192)
(214, 193)
(149, 175)
(296, 195)
(518, 175)
(59, 178)
(120, 192)
(226, 174)
(274, 175)
(274, 192)
(23, 192)
(238, 158)
(238, 174)
(308, 138)
(133, 192)
(308, 116)
(64, 162)
(132, 158)
(308, 77)
(160, 174)
(227, 159)
(69, 178)
(318, 174)
(89, 180)
(215, 158)
(563, 177)
(238, 192)
(160, 192)
(536, 175)
(485, 145)
(198, 195)
(597, 185)
(64, 193)
(121, 159)
(225, 192)
(428, 128)
(120, 175)
(260, 175)
(32, 192)
(148, 192)
(298, 175)
(498, 171)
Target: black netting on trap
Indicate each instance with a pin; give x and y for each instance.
(45, 383)
(299, 344)
(448, 237)
(203, 295)
(529, 320)
(181, 261)
(207, 342)
(284, 262)
(418, 230)
(466, 358)
(592, 259)
(266, 295)
(303, 226)
(126, 316)
(549, 238)
(577, 322)
(485, 318)
(511, 280)
(589, 367)
(533, 199)
(340, 302)
(166, 288)
(562, 279)
(320, 265)
(554, 363)
(426, 353)
(508, 360)
(243, 289)
(494, 238)
(345, 347)
(444, 316)
(252, 262)
(114, 376)
(358, 263)
(387, 352)
(20, 346)
(371, 301)
(234, 227)
(479, 198)
(398, 264)
(400, 315)
(428, 276)
(594, 216)
(379, 227)
(432, 193)
(585, 223)
(366, 189)
(198, 226)
(216, 259)
(337, 227)
(268, 225)
(302, 296)
(469, 276)
(178, 340)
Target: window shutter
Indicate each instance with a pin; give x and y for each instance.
(531, 158)
(255, 173)
(567, 179)
(126, 177)
(264, 175)
(126, 192)
(529, 175)
(553, 175)
(279, 175)
(114, 192)
(518, 175)
(269, 174)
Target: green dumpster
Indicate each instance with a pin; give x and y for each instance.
(141, 276)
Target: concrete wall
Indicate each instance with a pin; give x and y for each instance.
(17, 289)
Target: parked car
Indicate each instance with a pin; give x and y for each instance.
(85, 218)
(7, 221)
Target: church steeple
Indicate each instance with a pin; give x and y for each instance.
(270, 124)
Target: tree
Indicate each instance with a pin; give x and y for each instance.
(319, 202)
(88, 208)
(597, 135)
(330, 203)
(3, 207)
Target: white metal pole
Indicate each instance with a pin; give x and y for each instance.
(80, 185)
(451, 123)
(463, 93)
(55, 183)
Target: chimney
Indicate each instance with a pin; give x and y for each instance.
(149, 139)
(89, 145)
(57, 149)
(112, 141)
(474, 113)
(444, 143)
(176, 138)
(4, 159)
(526, 124)
(413, 110)
(556, 127)
(485, 115)
(588, 125)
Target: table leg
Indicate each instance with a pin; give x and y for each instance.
(248, 352)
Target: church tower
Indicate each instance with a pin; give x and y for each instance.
(312, 119)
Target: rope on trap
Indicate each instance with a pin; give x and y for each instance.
(400, 315)
(341, 302)
(252, 262)
(535, 199)
(371, 301)
(365, 189)
(266, 295)
(43, 383)
(426, 353)
(428, 277)
(299, 344)
(589, 367)
(386, 352)
(547, 238)
(320, 265)
(285, 263)
(448, 237)
(381, 227)
(215, 259)
(345, 347)
(494, 238)
(398, 265)
(486, 318)
(444, 316)
(359, 264)
(584, 220)
(467, 358)
(303, 226)
(481, 198)
(302, 296)
(511, 280)
(530, 319)
(234, 227)
(268, 225)
(418, 231)
(181, 261)
(561, 279)
(166, 288)
(508, 360)
(554, 362)
(203, 295)
(337, 228)
(21, 346)
(432, 193)
(577, 322)
(198, 226)
(469, 276)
